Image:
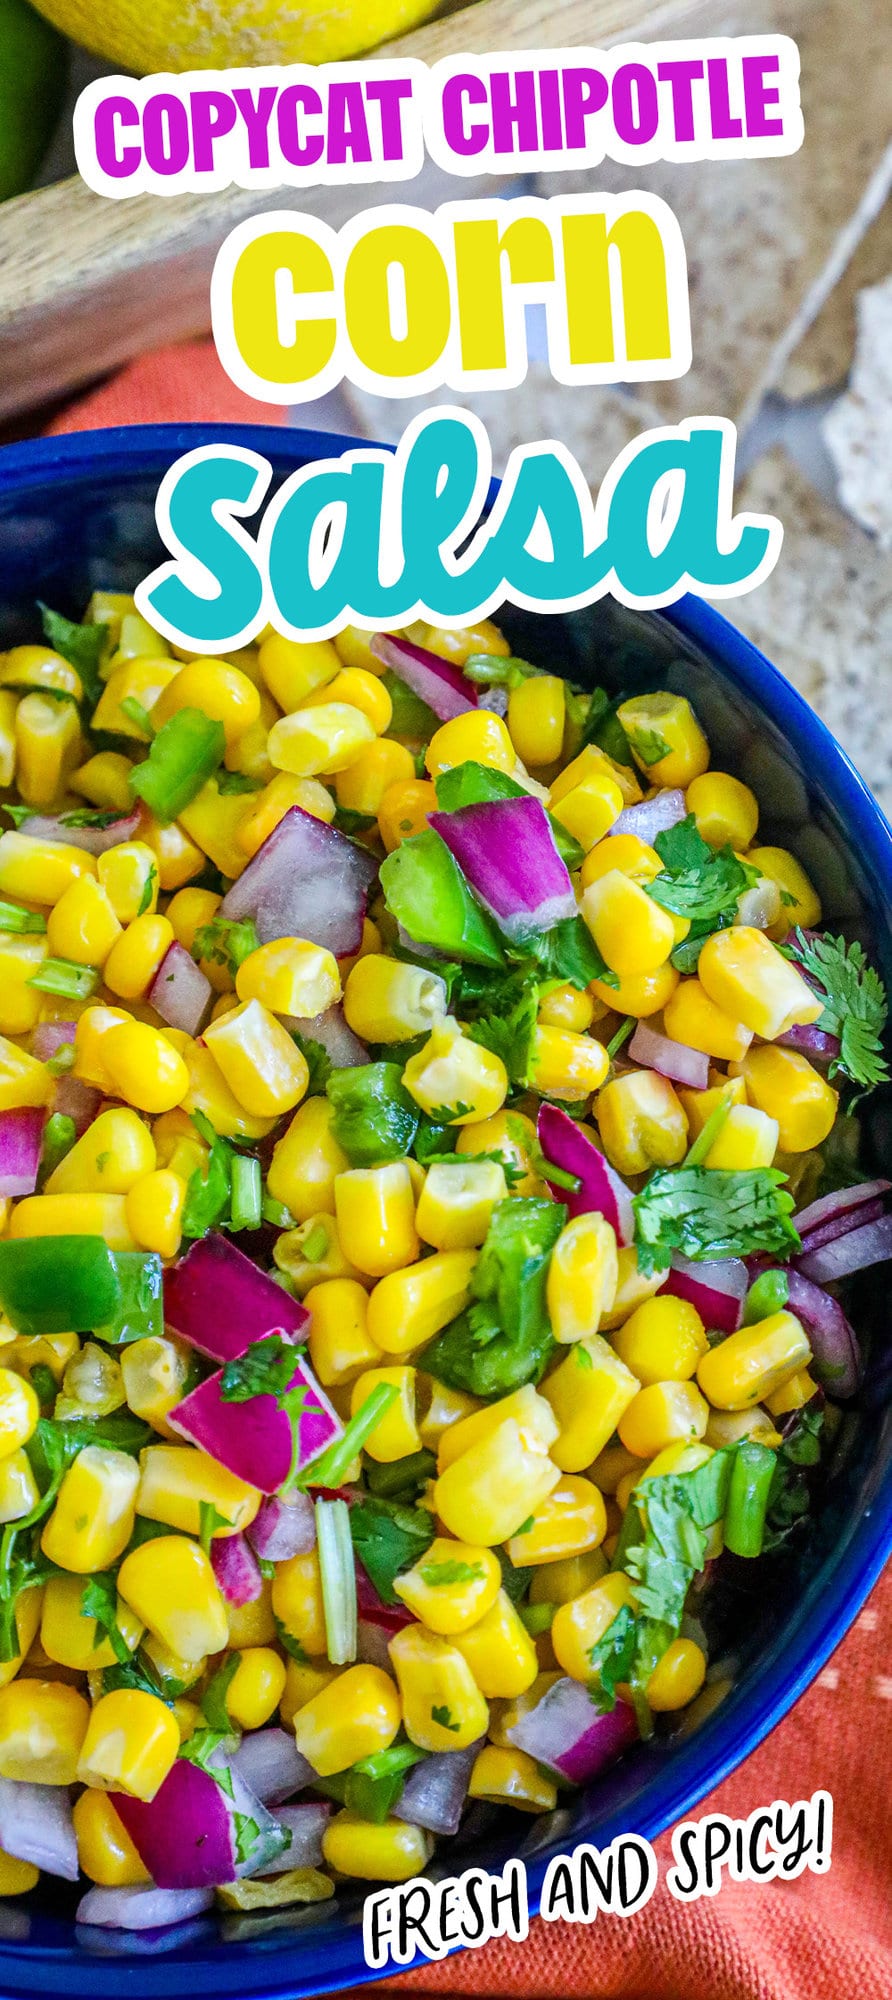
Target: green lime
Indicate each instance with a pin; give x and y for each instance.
(33, 72)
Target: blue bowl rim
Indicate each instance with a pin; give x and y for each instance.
(698, 1768)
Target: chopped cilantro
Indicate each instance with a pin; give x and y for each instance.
(855, 1005)
(439, 1575)
(698, 881)
(210, 1519)
(505, 1339)
(443, 1718)
(268, 1368)
(209, 1187)
(213, 1701)
(247, 1834)
(148, 891)
(225, 942)
(317, 1059)
(649, 746)
(706, 1212)
(99, 1600)
(388, 1539)
(81, 645)
(511, 1033)
(613, 1659)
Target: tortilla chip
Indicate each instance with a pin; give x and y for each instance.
(760, 234)
(825, 354)
(824, 616)
(858, 429)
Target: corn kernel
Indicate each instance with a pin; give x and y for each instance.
(104, 781)
(73, 1215)
(312, 1254)
(444, 1408)
(19, 1412)
(694, 1018)
(71, 1638)
(513, 1135)
(391, 1852)
(177, 1479)
(290, 976)
(154, 1212)
(622, 851)
(747, 1139)
(582, 1277)
(396, 1433)
(209, 1092)
(20, 1002)
(588, 1393)
(170, 1585)
(256, 1687)
(589, 808)
(316, 742)
(382, 764)
(48, 745)
(92, 1520)
(662, 1341)
(134, 960)
(726, 811)
(745, 975)
(303, 1679)
(404, 809)
(144, 1068)
(83, 925)
(252, 1624)
(750, 1364)
(581, 1624)
(499, 1651)
(105, 1850)
(642, 1122)
(131, 1743)
(565, 1065)
(338, 1340)
(456, 1078)
(508, 1776)
(486, 1494)
(18, 1486)
(172, 1669)
(663, 1414)
(155, 1373)
(730, 1426)
(263, 1067)
(783, 1083)
(355, 1716)
(479, 737)
(443, 1708)
(407, 1307)
(451, 1586)
(39, 871)
(177, 857)
(526, 1405)
(221, 692)
(633, 934)
(297, 1602)
(113, 1153)
(291, 670)
(306, 1162)
(536, 714)
(26, 1620)
(16, 1877)
(23, 1080)
(677, 1677)
(804, 907)
(42, 1728)
(665, 738)
(375, 1209)
(570, 1521)
(640, 994)
(386, 1001)
(564, 1006)
(139, 680)
(456, 1202)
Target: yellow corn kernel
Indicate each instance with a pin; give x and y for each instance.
(526, 1406)
(566, 1007)
(566, 1065)
(131, 636)
(297, 1602)
(312, 1254)
(694, 1018)
(42, 1728)
(745, 975)
(141, 680)
(39, 871)
(9, 702)
(19, 1412)
(386, 1001)
(443, 1708)
(572, 1520)
(143, 1066)
(338, 1339)
(459, 643)
(641, 1121)
(263, 1067)
(783, 1083)
(354, 648)
(582, 1277)
(92, 1384)
(359, 689)
(579, 1625)
(556, 1582)
(92, 1520)
(276, 799)
(16, 1877)
(83, 925)
(677, 1677)
(105, 1850)
(41, 668)
(375, 1209)
(176, 1479)
(306, 1162)
(104, 781)
(752, 1363)
(747, 1139)
(172, 1669)
(316, 742)
(590, 808)
(381, 765)
(134, 960)
(131, 1743)
(396, 1433)
(726, 811)
(633, 934)
(391, 1852)
(113, 1153)
(189, 910)
(18, 1486)
(729, 1426)
(252, 1624)
(589, 762)
(129, 876)
(508, 1776)
(72, 1639)
(45, 1350)
(588, 1393)
(28, 1606)
(510, 1133)
(303, 1679)
(73, 1215)
(171, 1586)
(665, 738)
(290, 976)
(48, 745)
(23, 1080)
(213, 821)
(662, 1341)
(408, 1306)
(256, 1687)
(292, 670)
(639, 994)
(154, 1212)
(209, 1092)
(505, 1715)
(456, 1202)
(793, 1395)
(486, 1494)
(622, 851)
(536, 715)
(456, 1078)
(451, 1586)
(155, 1373)
(700, 1104)
(479, 737)
(444, 1408)
(221, 692)
(178, 857)
(404, 810)
(783, 868)
(353, 1717)
(499, 1651)
(20, 1002)
(664, 1413)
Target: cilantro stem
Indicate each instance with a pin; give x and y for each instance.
(332, 1464)
(703, 1144)
(623, 1032)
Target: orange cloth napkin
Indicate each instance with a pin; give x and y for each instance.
(820, 1937)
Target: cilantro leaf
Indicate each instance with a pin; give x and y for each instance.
(137, 1672)
(210, 1520)
(99, 1600)
(706, 1212)
(375, 1119)
(649, 746)
(438, 1575)
(568, 953)
(213, 1701)
(209, 1187)
(510, 1033)
(387, 1539)
(81, 645)
(233, 783)
(225, 942)
(613, 1659)
(698, 881)
(271, 1367)
(505, 1340)
(148, 891)
(90, 816)
(201, 1748)
(247, 1834)
(855, 1006)
(443, 1717)
(317, 1059)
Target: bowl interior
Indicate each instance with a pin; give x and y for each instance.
(77, 514)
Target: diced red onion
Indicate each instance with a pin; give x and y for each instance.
(180, 992)
(716, 1289)
(436, 1789)
(306, 881)
(441, 686)
(841, 1225)
(50, 1036)
(651, 816)
(93, 839)
(506, 850)
(811, 1041)
(216, 1298)
(141, 1909)
(36, 1826)
(254, 1439)
(306, 1824)
(564, 1732)
(270, 1764)
(835, 1351)
(21, 1133)
(236, 1569)
(338, 1040)
(186, 1835)
(838, 1206)
(854, 1251)
(390, 1617)
(76, 1100)
(284, 1526)
(601, 1192)
(672, 1059)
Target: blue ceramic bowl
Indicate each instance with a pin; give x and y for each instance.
(77, 513)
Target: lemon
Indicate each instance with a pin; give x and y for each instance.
(33, 70)
(217, 34)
